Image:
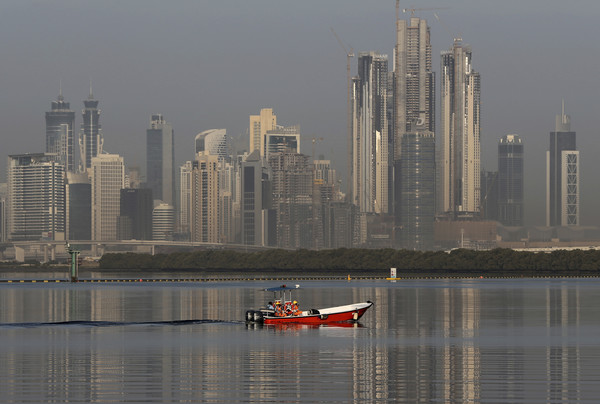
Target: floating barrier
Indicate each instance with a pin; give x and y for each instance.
(289, 278)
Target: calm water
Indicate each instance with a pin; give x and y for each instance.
(495, 341)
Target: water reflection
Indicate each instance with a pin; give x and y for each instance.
(445, 341)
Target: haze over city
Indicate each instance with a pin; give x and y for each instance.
(210, 65)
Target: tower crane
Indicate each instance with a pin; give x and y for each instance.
(349, 56)
(412, 10)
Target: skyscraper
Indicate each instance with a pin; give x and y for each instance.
(135, 214)
(370, 157)
(282, 139)
(107, 174)
(185, 198)
(415, 80)
(292, 199)
(510, 180)
(415, 185)
(414, 116)
(205, 199)
(59, 131)
(562, 175)
(259, 125)
(459, 143)
(36, 197)
(257, 215)
(160, 159)
(214, 142)
(79, 207)
(90, 135)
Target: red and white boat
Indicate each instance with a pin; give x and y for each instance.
(347, 313)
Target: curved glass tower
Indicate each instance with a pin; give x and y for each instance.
(59, 131)
(90, 136)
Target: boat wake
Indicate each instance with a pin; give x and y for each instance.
(79, 323)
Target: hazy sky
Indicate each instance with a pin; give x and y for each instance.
(211, 64)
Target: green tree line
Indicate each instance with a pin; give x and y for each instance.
(460, 260)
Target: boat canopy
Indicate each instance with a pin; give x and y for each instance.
(282, 288)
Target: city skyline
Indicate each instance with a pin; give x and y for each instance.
(312, 95)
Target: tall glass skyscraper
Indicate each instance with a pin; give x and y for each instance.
(160, 159)
(90, 136)
(415, 81)
(370, 159)
(415, 188)
(562, 175)
(59, 132)
(459, 141)
(510, 181)
(413, 112)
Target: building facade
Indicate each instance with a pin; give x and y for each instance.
(160, 159)
(562, 175)
(414, 80)
(36, 197)
(205, 199)
(259, 125)
(184, 213)
(282, 139)
(510, 180)
(163, 222)
(59, 132)
(416, 186)
(459, 141)
(107, 175)
(135, 214)
(370, 159)
(213, 141)
(90, 135)
(79, 207)
(257, 216)
(293, 199)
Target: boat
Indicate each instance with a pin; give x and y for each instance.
(283, 294)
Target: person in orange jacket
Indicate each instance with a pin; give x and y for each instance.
(295, 310)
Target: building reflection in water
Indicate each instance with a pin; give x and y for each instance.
(454, 341)
(563, 360)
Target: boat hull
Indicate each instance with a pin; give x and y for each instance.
(351, 312)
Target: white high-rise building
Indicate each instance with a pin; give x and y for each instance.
(213, 141)
(107, 176)
(36, 197)
(459, 153)
(259, 125)
(163, 222)
(205, 199)
(185, 197)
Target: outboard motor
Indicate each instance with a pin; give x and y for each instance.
(258, 316)
(250, 315)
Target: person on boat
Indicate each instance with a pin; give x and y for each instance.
(295, 310)
(278, 309)
(270, 306)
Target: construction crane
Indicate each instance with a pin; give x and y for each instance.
(349, 56)
(314, 142)
(412, 10)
